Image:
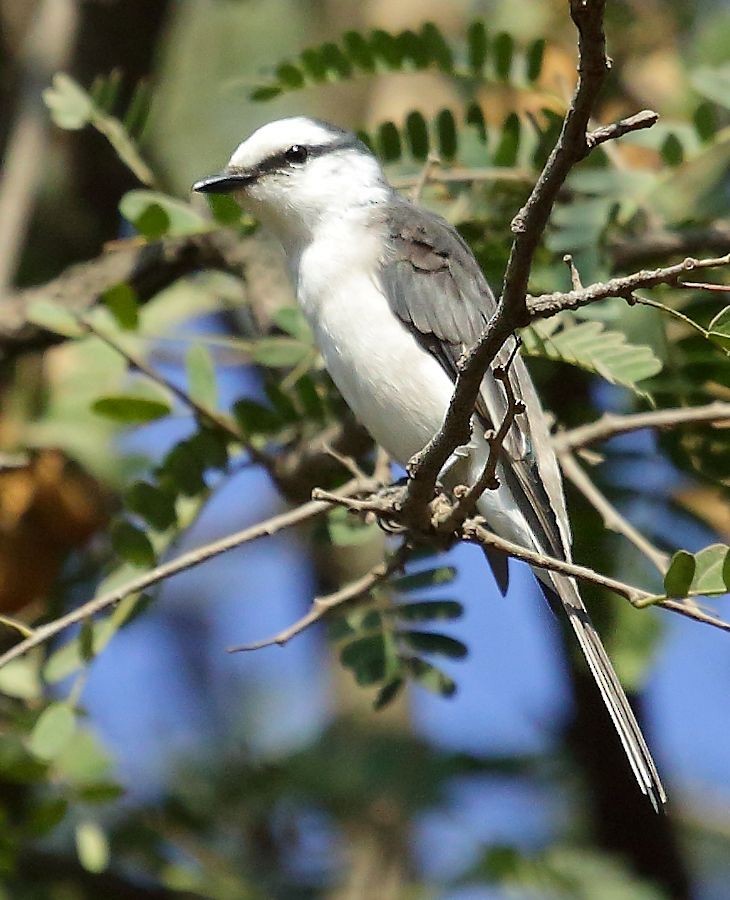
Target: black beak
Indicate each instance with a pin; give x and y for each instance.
(223, 183)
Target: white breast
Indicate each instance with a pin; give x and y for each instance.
(396, 389)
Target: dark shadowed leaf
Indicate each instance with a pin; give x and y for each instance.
(428, 610)
(154, 504)
(429, 642)
(426, 578)
(430, 677)
(132, 544)
(534, 58)
(417, 133)
(366, 657)
(477, 43)
(387, 693)
(446, 130)
(504, 48)
(254, 418)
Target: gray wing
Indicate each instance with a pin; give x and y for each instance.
(437, 289)
(435, 286)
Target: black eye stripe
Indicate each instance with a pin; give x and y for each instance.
(278, 162)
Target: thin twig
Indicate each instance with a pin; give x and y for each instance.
(610, 425)
(206, 415)
(706, 286)
(431, 164)
(612, 518)
(180, 564)
(321, 606)
(640, 120)
(546, 305)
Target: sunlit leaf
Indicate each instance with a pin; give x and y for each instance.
(92, 846)
(131, 410)
(52, 731)
(121, 301)
(200, 370)
(592, 347)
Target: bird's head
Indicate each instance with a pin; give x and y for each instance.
(296, 173)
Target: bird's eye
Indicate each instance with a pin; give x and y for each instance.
(296, 154)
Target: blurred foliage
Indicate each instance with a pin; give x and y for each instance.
(230, 826)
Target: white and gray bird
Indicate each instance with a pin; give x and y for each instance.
(394, 296)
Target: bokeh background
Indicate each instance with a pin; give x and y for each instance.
(195, 773)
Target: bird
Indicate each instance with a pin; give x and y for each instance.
(394, 297)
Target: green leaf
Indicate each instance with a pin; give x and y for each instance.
(389, 142)
(265, 92)
(154, 504)
(83, 761)
(52, 731)
(54, 317)
(428, 610)
(92, 846)
(253, 418)
(504, 48)
(430, 677)
(290, 76)
(712, 576)
(279, 352)
(534, 59)
(388, 692)
(291, 320)
(446, 130)
(438, 644)
(154, 214)
(437, 48)
(424, 579)
(183, 468)
(366, 657)
(132, 544)
(46, 815)
(680, 574)
(509, 142)
(478, 46)
(705, 121)
(121, 301)
(224, 208)
(592, 347)
(100, 792)
(200, 370)
(672, 150)
(130, 410)
(359, 51)
(417, 134)
(475, 117)
(87, 651)
(69, 104)
(210, 447)
(20, 678)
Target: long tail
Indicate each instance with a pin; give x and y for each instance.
(613, 695)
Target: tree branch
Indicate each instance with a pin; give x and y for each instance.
(546, 305)
(180, 564)
(610, 425)
(321, 606)
(612, 518)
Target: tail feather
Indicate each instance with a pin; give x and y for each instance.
(613, 695)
